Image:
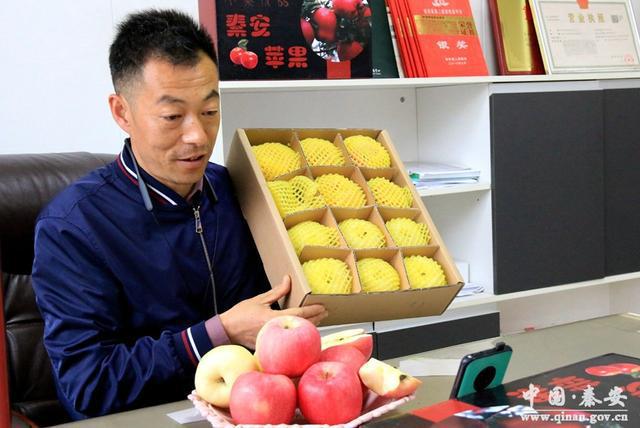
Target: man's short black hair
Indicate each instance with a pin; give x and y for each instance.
(169, 35)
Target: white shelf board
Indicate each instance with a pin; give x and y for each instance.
(454, 189)
(238, 86)
(488, 298)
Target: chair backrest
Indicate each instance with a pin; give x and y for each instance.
(27, 183)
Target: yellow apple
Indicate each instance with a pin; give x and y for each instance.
(218, 369)
(386, 380)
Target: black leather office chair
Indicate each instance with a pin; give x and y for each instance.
(27, 183)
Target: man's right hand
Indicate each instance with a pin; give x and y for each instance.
(243, 321)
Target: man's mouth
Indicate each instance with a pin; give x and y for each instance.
(196, 158)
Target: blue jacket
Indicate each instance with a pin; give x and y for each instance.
(124, 292)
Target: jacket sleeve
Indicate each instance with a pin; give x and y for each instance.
(99, 365)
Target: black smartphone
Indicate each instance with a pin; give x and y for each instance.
(482, 370)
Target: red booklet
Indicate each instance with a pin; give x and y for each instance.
(401, 38)
(414, 42)
(448, 39)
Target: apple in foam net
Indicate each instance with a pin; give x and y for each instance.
(386, 380)
(287, 345)
(355, 337)
(263, 398)
(329, 392)
(218, 369)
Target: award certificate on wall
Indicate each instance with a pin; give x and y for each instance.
(578, 36)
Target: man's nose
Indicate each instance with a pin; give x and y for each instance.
(194, 132)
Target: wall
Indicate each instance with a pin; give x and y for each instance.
(55, 71)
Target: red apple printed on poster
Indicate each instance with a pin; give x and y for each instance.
(336, 30)
(241, 55)
(287, 345)
(614, 370)
(329, 393)
(263, 398)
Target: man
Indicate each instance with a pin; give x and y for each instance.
(144, 265)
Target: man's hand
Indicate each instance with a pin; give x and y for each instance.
(243, 321)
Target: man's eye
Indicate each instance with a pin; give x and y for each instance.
(210, 112)
(171, 117)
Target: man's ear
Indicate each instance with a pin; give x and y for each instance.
(121, 111)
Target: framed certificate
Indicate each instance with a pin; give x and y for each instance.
(514, 37)
(586, 37)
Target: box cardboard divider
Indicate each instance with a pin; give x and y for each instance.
(279, 257)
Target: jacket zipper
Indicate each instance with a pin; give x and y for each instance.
(200, 232)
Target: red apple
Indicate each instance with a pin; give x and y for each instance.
(344, 354)
(354, 337)
(326, 22)
(346, 8)
(386, 380)
(307, 30)
(287, 345)
(329, 392)
(262, 398)
(349, 50)
(249, 60)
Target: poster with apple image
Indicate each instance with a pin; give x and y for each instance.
(336, 30)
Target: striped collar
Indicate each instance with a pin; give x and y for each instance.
(163, 196)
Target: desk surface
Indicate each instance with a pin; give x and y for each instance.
(533, 352)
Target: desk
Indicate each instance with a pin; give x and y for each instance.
(533, 352)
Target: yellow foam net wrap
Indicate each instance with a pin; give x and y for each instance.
(361, 233)
(406, 232)
(367, 152)
(340, 191)
(424, 272)
(377, 275)
(389, 194)
(328, 276)
(313, 233)
(298, 194)
(307, 192)
(319, 151)
(276, 159)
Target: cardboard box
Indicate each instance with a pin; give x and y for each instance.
(269, 231)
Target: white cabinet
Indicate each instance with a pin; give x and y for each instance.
(437, 119)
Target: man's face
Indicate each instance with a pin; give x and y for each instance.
(173, 119)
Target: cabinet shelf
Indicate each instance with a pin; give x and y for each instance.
(454, 189)
(488, 298)
(399, 83)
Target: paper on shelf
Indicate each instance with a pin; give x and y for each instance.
(423, 171)
(430, 366)
(470, 289)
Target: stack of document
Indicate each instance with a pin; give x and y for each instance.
(432, 174)
(470, 289)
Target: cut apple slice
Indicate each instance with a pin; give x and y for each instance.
(386, 380)
(355, 337)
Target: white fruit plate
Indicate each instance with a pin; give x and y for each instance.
(374, 406)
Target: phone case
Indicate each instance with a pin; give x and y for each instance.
(482, 370)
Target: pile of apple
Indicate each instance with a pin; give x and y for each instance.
(293, 367)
